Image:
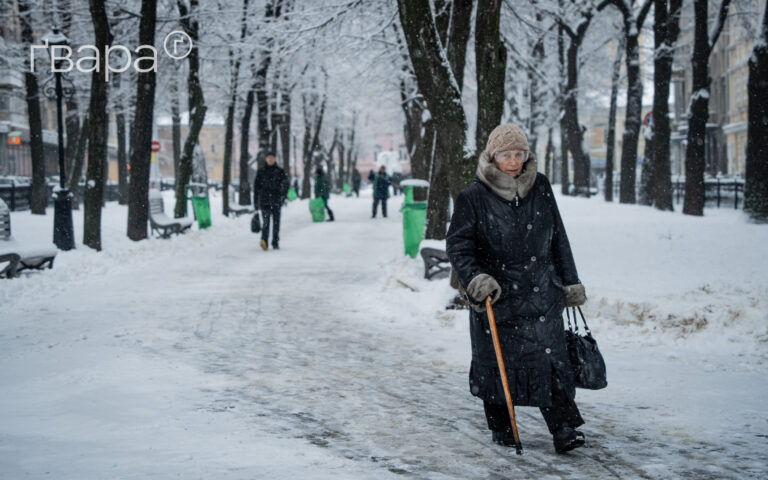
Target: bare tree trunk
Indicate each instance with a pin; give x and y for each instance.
(437, 208)
(197, 106)
(414, 132)
(549, 154)
(229, 126)
(306, 153)
(695, 155)
(491, 61)
(351, 159)
(122, 154)
(141, 134)
(535, 90)
(573, 130)
(245, 130)
(341, 178)
(99, 121)
(756, 186)
(611, 140)
(76, 170)
(631, 132)
(175, 129)
(312, 141)
(262, 109)
(441, 86)
(72, 118)
(564, 174)
(666, 28)
(228, 140)
(38, 200)
(632, 26)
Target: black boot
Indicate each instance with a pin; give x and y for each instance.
(567, 439)
(506, 439)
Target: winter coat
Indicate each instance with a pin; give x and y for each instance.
(356, 180)
(321, 187)
(270, 187)
(510, 228)
(381, 186)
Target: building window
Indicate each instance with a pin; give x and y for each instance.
(5, 101)
(213, 147)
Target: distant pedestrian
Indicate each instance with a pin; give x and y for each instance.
(371, 176)
(507, 242)
(356, 182)
(322, 190)
(381, 184)
(396, 178)
(269, 190)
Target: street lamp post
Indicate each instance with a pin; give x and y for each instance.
(63, 232)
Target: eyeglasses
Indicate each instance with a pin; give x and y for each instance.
(508, 156)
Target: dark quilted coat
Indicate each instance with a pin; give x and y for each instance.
(523, 245)
(270, 187)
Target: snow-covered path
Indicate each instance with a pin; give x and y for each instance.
(212, 359)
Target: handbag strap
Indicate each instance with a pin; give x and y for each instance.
(586, 327)
(568, 315)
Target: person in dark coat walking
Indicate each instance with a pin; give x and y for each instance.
(356, 179)
(322, 190)
(269, 190)
(507, 241)
(381, 184)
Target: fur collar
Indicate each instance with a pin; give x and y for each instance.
(503, 185)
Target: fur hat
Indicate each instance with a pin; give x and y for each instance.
(506, 137)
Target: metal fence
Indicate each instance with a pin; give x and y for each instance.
(17, 197)
(719, 192)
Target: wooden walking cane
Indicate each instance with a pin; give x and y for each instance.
(503, 373)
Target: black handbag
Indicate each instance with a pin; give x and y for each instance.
(586, 360)
(256, 223)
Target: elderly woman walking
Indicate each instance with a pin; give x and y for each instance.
(507, 241)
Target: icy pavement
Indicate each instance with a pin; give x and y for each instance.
(204, 357)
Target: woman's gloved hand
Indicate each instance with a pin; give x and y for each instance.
(575, 296)
(480, 288)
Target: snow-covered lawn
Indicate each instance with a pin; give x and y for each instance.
(204, 357)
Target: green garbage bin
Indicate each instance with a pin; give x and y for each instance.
(408, 194)
(317, 209)
(414, 218)
(346, 188)
(202, 211)
(198, 194)
(292, 195)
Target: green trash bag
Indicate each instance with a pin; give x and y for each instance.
(414, 218)
(346, 187)
(317, 209)
(202, 211)
(291, 195)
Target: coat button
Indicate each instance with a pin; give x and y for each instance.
(548, 350)
(535, 289)
(542, 318)
(529, 226)
(533, 258)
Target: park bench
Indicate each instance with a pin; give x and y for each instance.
(160, 222)
(234, 208)
(436, 263)
(15, 258)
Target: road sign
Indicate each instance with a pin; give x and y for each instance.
(155, 146)
(648, 119)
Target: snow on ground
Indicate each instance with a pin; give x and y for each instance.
(204, 357)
